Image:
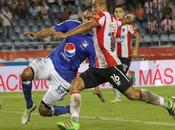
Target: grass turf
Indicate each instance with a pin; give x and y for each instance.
(124, 115)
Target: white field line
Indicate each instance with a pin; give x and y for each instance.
(107, 119)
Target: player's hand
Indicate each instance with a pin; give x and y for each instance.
(59, 35)
(32, 35)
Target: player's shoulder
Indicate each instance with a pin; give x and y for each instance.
(100, 14)
(73, 21)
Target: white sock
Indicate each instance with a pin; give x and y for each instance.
(116, 93)
(75, 106)
(162, 101)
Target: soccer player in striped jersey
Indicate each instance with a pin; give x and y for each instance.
(109, 67)
(124, 35)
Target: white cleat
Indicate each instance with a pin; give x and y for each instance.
(26, 115)
(116, 100)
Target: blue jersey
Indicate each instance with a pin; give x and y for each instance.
(71, 52)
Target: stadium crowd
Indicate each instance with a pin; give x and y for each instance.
(154, 20)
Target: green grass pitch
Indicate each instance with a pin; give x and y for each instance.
(125, 115)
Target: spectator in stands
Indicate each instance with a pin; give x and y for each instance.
(34, 10)
(51, 2)
(13, 5)
(140, 11)
(1, 3)
(65, 15)
(74, 15)
(157, 6)
(152, 25)
(44, 11)
(6, 17)
(149, 8)
(167, 24)
(120, 2)
(140, 19)
(22, 9)
(167, 10)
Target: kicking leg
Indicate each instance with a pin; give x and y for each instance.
(75, 104)
(117, 95)
(27, 77)
(151, 98)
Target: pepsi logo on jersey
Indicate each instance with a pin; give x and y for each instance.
(69, 49)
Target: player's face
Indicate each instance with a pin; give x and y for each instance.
(96, 6)
(119, 12)
(87, 16)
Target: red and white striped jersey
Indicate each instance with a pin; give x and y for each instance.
(104, 36)
(123, 40)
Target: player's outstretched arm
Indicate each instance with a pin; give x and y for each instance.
(41, 34)
(78, 30)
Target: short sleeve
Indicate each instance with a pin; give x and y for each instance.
(99, 18)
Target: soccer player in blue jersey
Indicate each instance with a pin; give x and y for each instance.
(59, 68)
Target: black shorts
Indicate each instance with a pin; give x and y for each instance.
(126, 62)
(115, 75)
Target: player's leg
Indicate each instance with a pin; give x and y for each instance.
(151, 98)
(75, 103)
(58, 88)
(47, 106)
(121, 82)
(85, 80)
(99, 94)
(117, 96)
(27, 77)
(38, 69)
(126, 62)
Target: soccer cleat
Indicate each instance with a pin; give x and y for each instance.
(26, 115)
(68, 125)
(171, 106)
(116, 100)
(99, 95)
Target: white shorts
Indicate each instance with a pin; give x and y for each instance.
(44, 70)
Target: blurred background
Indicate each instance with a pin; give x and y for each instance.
(154, 21)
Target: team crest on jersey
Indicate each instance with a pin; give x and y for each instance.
(85, 44)
(112, 26)
(96, 16)
(69, 49)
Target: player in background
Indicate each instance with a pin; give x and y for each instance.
(109, 68)
(124, 35)
(59, 68)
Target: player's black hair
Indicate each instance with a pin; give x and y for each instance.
(121, 6)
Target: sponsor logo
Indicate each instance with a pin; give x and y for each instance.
(69, 49)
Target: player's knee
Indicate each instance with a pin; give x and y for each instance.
(44, 111)
(77, 85)
(132, 97)
(27, 74)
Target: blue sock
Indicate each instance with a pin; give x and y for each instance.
(59, 110)
(27, 91)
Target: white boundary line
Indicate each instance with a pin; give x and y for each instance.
(107, 119)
